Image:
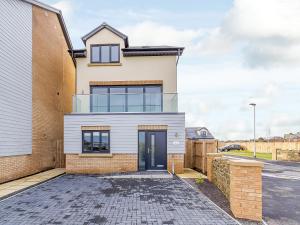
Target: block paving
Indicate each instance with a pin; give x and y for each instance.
(90, 199)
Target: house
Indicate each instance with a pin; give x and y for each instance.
(125, 115)
(37, 81)
(292, 136)
(196, 133)
(198, 142)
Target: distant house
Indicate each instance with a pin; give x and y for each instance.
(291, 136)
(195, 133)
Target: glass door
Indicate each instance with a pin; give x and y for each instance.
(152, 150)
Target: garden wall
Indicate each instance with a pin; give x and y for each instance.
(221, 176)
(286, 155)
(241, 182)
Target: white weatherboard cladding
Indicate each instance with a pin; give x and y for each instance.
(124, 130)
(15, 77)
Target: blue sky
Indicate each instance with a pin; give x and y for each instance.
(237, 51)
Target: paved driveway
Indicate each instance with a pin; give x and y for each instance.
(75, 199)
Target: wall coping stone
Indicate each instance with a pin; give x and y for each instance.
(214, 155)
(245, 162)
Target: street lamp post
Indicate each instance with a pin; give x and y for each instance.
(254, 138)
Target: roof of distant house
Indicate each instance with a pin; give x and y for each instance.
(195, 133)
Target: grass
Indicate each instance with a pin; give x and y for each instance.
(246, 153)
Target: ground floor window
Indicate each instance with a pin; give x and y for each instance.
(95, 141)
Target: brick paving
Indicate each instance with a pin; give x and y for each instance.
(78, 199)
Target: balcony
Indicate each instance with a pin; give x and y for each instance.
(125, 102)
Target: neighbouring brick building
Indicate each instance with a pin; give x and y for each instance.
(125, 115)
(37, 81)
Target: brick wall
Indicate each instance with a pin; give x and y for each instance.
(97, 164)
(114, 163)
(53, 83)
(178, 160)
(242, 186)
(246, 190)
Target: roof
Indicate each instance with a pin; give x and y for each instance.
(138, 51)
(102, 26)
(60, 18)
(132, 50)
(195, 133)
(152, 50)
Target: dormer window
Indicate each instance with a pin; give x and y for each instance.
(202, 133)
(105, 53)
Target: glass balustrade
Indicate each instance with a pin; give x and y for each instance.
(125, 102)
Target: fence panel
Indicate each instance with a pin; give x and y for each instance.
(196, 151)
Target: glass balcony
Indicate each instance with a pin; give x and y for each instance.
(129, 102)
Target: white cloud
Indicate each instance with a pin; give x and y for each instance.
(151, 33)
(270, 30)
(260, 19)
(66, 6)
(215, 43)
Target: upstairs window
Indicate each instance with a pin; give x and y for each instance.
(105, 53)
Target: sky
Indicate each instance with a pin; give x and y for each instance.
(236, 52)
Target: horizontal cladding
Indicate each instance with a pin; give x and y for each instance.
(15, 78)
(124, 130)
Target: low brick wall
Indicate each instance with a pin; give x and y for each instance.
(115, 163)
(100, 165)
(241, 182)
(286, 155)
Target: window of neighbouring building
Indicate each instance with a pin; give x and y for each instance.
(95, 141)
(105, 53)
(202, 133)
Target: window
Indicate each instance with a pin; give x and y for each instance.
(105, 53)
(117, 99)
(202, 133)
(95, 142)
(146, 98)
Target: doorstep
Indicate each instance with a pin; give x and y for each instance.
(140, 175)
(13, 187)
